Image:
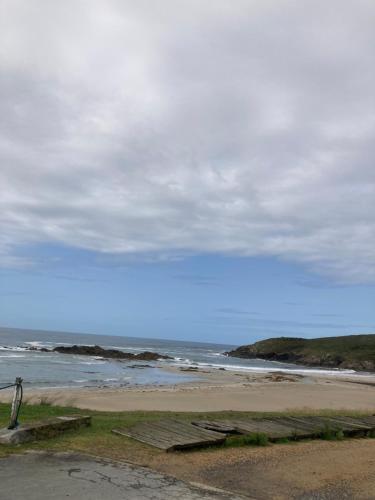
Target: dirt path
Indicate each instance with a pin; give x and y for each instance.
(315, 470)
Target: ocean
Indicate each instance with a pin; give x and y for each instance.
(48, 370)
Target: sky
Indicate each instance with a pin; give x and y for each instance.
(186, 169)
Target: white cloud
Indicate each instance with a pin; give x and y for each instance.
(174, 127)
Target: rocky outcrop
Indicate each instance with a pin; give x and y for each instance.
(85, 350)
(355, 352)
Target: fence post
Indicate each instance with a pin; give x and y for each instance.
(16, 403)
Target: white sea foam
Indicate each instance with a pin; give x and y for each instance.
(185, 361)
(13, 348)
(38, 344)
(95, 362)
(67, 343)
(60, 362)
(13, 356)
(266, 369)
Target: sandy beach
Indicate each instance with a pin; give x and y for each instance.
(219, 390)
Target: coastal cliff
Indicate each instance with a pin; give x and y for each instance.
(356, 352)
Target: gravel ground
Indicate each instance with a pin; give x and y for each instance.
(316, 470)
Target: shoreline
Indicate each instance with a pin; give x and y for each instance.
(220, 390)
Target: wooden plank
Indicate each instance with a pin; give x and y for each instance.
(148, 438)
(188, 429)
(322, 423)
(171, 438)
(370, 420)
(318, 425)
(294, 429)
(352, 421)
(180, 433)
(171, 434)
(349, 425)
(300, 424)
(143, 439)
(178, 430)
(156, 436)
(271, 429)
(216, 425)
(159, 434)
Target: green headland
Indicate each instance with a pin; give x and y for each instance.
(356, 352)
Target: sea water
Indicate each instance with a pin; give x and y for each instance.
(46, 370)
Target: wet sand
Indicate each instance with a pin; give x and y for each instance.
(218, 390)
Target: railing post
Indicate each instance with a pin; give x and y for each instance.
(16, 403)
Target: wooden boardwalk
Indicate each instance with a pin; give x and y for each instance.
(171, 435)
(175, 435)
(292, 427)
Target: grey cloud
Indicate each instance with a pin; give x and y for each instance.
(176, 128)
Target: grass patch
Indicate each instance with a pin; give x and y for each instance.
(329, 434)
(340, 435)
(282, 441)
(253, 439)
(98, 439)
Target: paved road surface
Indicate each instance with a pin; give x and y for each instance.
(46, 476)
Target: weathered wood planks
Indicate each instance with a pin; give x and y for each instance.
(288, 427)
(172, 434)
(216, 425)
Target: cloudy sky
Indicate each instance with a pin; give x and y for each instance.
(177, 168)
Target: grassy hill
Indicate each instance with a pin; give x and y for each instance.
(356, 352)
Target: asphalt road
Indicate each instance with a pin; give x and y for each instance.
(47, 476)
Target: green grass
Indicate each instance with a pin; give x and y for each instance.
(253, 439)
(98, 439)
(329, 434)
(283, 441)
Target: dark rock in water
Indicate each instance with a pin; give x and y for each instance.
(140, 366)
(39, 349)
(85, 350)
